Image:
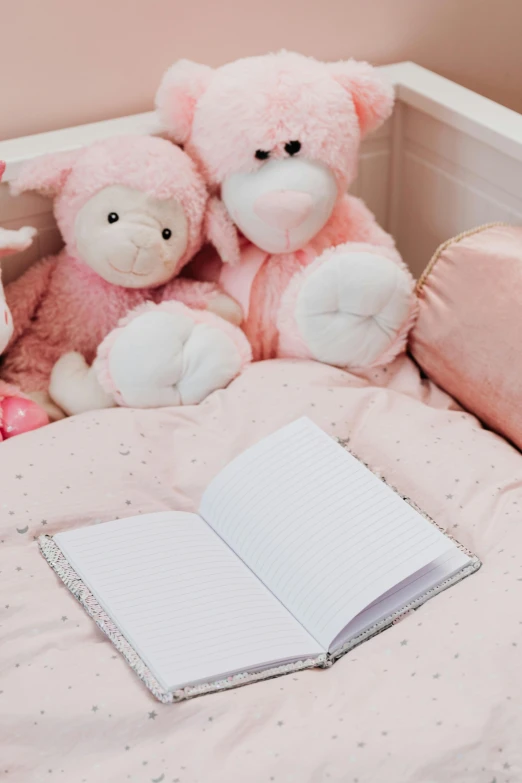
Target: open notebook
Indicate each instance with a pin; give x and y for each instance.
(298, 553)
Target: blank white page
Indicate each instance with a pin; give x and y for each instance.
(320, 530)
(189, 607)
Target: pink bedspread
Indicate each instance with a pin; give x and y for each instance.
(434, 699)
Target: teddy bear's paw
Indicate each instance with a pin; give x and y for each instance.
(167, 358)
(352, 307)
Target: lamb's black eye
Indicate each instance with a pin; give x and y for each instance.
(112, 217)
(292, 147)
(262, 154)
(166, 233)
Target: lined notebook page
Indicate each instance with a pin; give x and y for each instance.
(189, 607)
(321, 531)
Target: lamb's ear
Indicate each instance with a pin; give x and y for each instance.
(221, 232)
(47, 174)
(180, 89)
(372, 95)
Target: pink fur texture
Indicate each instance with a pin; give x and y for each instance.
(139, 162)
(224, 116)
(60, 304)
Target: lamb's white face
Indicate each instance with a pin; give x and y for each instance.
(283, 205)
(130, 238)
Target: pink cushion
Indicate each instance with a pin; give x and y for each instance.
(468, 337)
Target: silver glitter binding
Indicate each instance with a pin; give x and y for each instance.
(59, 563)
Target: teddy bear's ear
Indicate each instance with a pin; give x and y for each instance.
(221, 232)
(180, 89)
(47, 174)
(372, 95)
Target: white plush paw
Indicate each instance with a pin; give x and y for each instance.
(74, 386)
(351, 307)
(163, 358)
(43, 399)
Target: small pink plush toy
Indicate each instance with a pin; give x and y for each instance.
(277, 138)
(131, 211)
(17, 413)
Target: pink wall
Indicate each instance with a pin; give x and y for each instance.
(66, 62)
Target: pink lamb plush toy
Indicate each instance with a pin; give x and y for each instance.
(131, 211)
(17, 413)
(277, 138)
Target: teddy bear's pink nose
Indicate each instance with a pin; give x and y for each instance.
(284, 209)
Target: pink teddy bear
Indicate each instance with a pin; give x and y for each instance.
(132, 212)
(277, 139)
(17, 413)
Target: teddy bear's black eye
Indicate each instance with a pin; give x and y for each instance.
(262, 154)
(293, 147)
(112, 217)
(166, 233)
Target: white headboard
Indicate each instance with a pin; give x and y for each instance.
(447, 160)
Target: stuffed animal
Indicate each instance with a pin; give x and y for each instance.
(10, 242)
(17, 413)
(277, 139)
(131, 211)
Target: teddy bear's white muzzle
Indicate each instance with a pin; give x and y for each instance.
(284, 209)
(282, 205)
